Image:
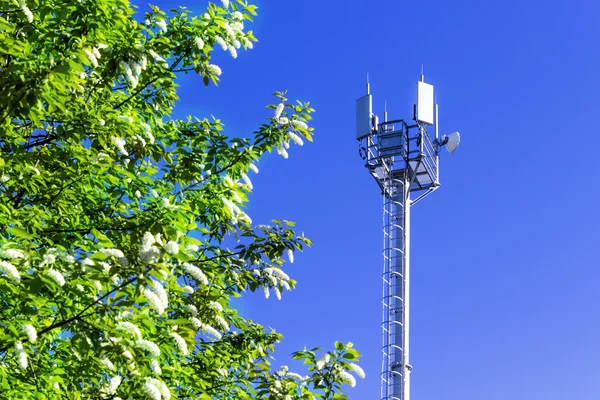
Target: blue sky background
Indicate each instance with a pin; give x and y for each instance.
(505, 273)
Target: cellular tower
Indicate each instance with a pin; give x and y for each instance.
(403, 157)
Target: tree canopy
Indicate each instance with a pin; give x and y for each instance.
(115, 281)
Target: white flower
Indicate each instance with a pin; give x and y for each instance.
(151, 391)
(181, 344)
(11, 254)
(98, 285)
(254, 168)
(277, 293)
(266, 291)
(149, 347)
(347, 378)
(172, 247)
(290, 255)
(225, 3)
(281, 151)
(358, 370)
(148, 239)
(321, 362)
(160, 291)
(154, 193)
(30, 332)
(101, 122)
(213, 305)
(92, 57)
(237, 44)
(188, 289)
(113, 253)
(190, 308)
(222, 323)
(278, 110)
(283, 121)
(154, 301)
(199, 42)
(294, 375)
(295, 138)
(87, 261)
(196, 273)
(299, 124)
(113, 385)
(192, 247)
(196, 322)
(138, 194)
(158, 239)
(49, 259)
(130, 328)
(215, 69)
(211, 331)
(21, 356)
(127, 354)
(120, 145)
(162, 388)
(232, 51)
(149, 255)
(248, 43)
(221, 42)
(10, 271)
(57, 277)
(79, 287)
(96, 53)
(237, 15)
(162, 24)
(26, 11)
(247, 181)
(155, 367)
(107, 363)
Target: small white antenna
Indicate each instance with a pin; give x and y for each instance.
(422, 73)
(385, 111)
(368, 85)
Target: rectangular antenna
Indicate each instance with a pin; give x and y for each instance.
(425, 103)
(364, 112)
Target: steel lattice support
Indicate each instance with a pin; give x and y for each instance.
(395, 373)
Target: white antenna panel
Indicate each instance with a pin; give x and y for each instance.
(425, 108)
(364, 112)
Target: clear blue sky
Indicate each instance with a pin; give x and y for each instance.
(505, 273)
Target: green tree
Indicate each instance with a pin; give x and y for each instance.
(114, 278)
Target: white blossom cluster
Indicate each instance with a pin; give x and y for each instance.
(130, 328)
(26, 11)
(149, 347)
(94, 55)
(11, 254)
(180, 342)
(132, 69)
(323, 361)
(274, 277)
(107, 363)
(155, 367)
(111, 387)
(21, 356)
(120, 143)
(234, 34)
(156, 389)
(56, 276)
(10, 271)
(118, 254)
(30, 332)
(157, 297)
(195, 273)
(148, 252)
(171, 247)
(196, 323)
(157, 58)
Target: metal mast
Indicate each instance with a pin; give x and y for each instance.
(404, 159)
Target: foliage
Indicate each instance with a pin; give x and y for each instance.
(114, 277)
